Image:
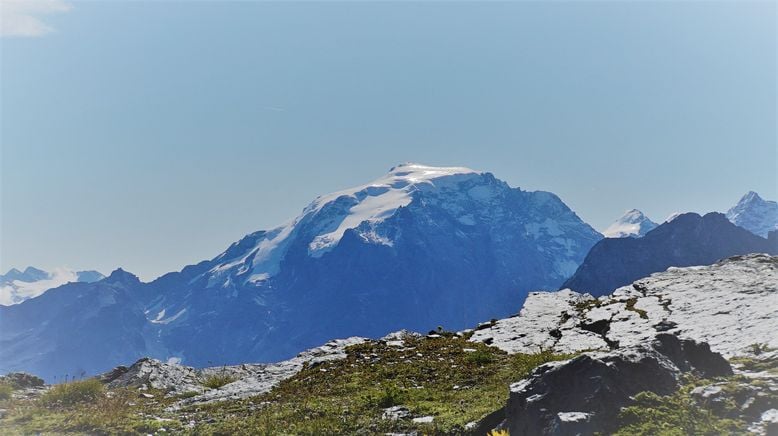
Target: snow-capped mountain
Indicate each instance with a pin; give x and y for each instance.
(17, 286)
(632, 224)
(418, 248)
(754, 214)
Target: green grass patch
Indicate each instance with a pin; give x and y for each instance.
(755, 364)
(120, 412)
(431, 377)
(6, 391)
(680, 414)
(631, 307)
(586, 305)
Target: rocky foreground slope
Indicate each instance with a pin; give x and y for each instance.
(690, 348)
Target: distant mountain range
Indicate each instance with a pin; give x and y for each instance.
(687, 240)
(17, 286)
(752, 213)
(418, 248)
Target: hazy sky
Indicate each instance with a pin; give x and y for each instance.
(152, 135)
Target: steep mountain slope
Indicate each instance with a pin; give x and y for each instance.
(420, 247)
(17, 286)
(754, 214)
(632, 224)
(689, 239)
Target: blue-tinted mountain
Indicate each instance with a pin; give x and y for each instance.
(687, 240)
(418, 248)
(755, 214)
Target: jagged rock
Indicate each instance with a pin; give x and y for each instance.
(665, 325)
(396, 412)
(597, 385)
(257, 379)
(769, 422)
(21, 380)
(729, 305)
(113, 374)
(169, 377)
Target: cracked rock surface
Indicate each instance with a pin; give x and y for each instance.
(730, 305)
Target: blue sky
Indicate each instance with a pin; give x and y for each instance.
(152, 135)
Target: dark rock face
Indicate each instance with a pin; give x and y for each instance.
(687, 240)
(689, 355)
(587, 392)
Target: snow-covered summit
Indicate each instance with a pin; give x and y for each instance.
(755, 214)
(632, 224)
(325, 220)
(379, 199)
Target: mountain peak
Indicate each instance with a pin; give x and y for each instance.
(12, 272)
(119, 275)
(30, 274)
(329, 216)
(632, 224)
(32, 271)
(755, 214)
(749, 197)
(421, 171)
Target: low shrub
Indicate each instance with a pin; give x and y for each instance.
(67, 394)
(391, 396)
(480, 357)
(5, 391)
(675, 414)
(215, 381)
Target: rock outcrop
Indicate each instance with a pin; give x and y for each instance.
(731, 305)
(21, 380)
(586, 393)
(245, 380)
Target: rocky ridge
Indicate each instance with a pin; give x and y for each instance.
(730, 305)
